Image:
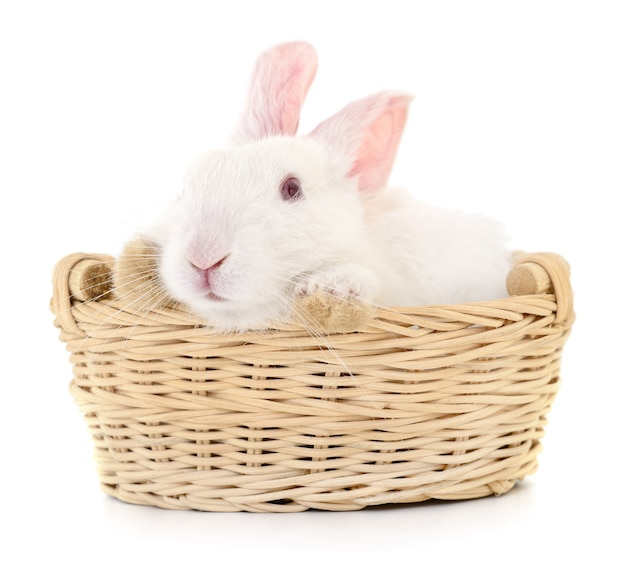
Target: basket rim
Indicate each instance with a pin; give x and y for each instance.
(542, 274)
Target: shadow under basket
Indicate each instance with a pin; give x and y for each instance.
(444, 402)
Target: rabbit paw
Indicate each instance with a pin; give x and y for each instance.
(337, 282)
(333, 301)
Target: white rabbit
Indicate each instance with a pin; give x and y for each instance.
(272, 217)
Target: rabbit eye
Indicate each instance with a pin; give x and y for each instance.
(290, 189)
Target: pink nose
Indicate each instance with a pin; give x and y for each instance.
(204, 265)
(206, 269)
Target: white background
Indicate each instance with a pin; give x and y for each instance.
(519, 112)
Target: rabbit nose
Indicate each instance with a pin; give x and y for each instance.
(207, 271)
(207, 265)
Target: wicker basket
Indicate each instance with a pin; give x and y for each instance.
(445, 402)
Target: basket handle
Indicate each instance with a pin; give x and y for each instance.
(542, 273)
(83, 277)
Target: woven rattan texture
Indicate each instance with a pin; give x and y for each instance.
(427, 403)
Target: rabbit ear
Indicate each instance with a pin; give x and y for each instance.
(367, 132)
(280, 81)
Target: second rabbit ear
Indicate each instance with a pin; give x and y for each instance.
(280, 81)
(367, 133)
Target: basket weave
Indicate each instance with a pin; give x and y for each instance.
(445, 402)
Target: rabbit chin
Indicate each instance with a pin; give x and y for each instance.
(236, 317)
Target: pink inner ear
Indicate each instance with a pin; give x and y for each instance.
(280, 82)
(377, 151)
(292, 94)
